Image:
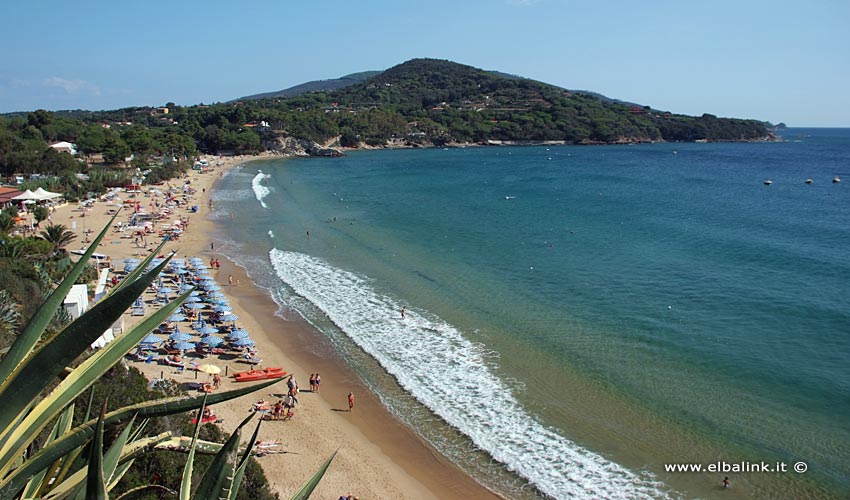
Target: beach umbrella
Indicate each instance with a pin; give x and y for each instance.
(244, 342)
(211, 288)
(185, 287)
(184, 346)
(218, 301)
(222, 309)
(194, 305)
(131, 260)
(201, 271)
(177, 317)
(212, 340)
(196, 293)
(196, 260)
(216, 295)
(229, 317)
(238, 334)
(164, 290)
(179, 270)
(179, 337)
(151, 339)
(206, 330)
(192, 300)
(208, 368)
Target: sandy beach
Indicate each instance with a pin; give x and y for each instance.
(378, 458)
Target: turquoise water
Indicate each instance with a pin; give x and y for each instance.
(582, 315)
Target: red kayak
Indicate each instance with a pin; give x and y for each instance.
(205, 420)
(263, 374)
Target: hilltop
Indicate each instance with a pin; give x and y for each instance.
(315, 86)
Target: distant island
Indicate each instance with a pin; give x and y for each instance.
(419, 103)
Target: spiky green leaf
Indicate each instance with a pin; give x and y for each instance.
(35, 327)
(95, 481)
(305, 491)
(12, 484)
(216, 480)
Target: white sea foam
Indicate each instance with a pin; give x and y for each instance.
(271, 234)
(452, 376)
(260, 191)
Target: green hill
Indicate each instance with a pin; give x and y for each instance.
(315, 86)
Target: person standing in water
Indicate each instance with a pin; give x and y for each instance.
(350, 401)
(402, 311)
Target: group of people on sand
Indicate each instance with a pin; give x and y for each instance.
(315, 382)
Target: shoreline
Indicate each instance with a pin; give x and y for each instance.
(378, 455)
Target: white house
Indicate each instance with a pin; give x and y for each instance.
(65, 146)
(77, 301)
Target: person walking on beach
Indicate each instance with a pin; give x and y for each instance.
(312, 382)
(230, 280)
(726, 482)
(212, 246)
(350, 401)
(318, 381)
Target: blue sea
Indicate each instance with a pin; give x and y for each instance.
(577, 317)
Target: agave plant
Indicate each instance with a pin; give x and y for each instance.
(60, 469)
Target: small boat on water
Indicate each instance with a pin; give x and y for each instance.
(836, 179)
(809, 181)
(265, 373)
(768, 182)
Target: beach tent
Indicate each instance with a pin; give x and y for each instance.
(26, 195)
(44, 194)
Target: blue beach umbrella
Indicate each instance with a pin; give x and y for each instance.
(207, 330)
(212, 340)
(215, 295)
(184, 346)
(179, 337)
(151, 339)
(229, 317)
(238, 334)
(244, 342)
(218, 301)
(194, 305)
(131, 260)
(185, 287)
(211, 288)
(192, 300)
(177, 317)
(164, 290)
(196, 293)
(222, 309)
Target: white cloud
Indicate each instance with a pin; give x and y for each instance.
(72, 86)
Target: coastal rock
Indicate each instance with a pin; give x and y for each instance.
(292, 146)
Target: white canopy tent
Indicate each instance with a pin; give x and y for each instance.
(26, 195)
(44, 194)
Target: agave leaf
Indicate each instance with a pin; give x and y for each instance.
(110, 458)
(216, 480)
(81, 378)
(186, 482)
(95, 482)
(183, 443)
(16, 480)
(119, 474)
(129, 452)
(38, 323)
(243, 464)
(144, 491)
(305, 491)
(61, 426)
(40, 367)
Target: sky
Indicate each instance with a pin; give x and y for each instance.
(778, 61)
